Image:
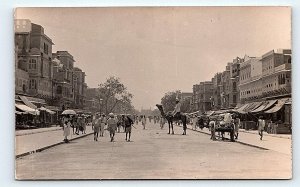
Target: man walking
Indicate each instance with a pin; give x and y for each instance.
(96, 127)
(112, 126)
(237, 123)
(102, 124)
(212, 125)
(261, 126)
(128, 123)
(144, 122)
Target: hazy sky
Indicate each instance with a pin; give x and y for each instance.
(156, 50)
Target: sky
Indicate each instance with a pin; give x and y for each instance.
(157, 50)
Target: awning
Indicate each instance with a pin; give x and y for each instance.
(53, 108)
(47, 110)
(221, 112)
(278, 106)
(253, 106)
(20, 113)
(241, 109)
(266, 105)
(25, 108)
(27, 102)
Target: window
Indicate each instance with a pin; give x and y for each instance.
(234, 98)
(24, 88)
(45, 48)
(32, 84)
(234, 86)
(32, 64)
(59, 90)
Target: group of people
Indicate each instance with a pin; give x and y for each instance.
(197, 121)
(77, 123)
(111, 123)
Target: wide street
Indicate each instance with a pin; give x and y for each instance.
(154, 154)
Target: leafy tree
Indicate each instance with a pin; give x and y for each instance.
(169, 102)
(113, 93)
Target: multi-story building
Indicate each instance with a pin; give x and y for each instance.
(35, 57)
(217, 90)
(250, 82)
(63, 78)
(205, 93)
(225, 85)
(276, 74)
(21, 77)
(195, 105)
(22, 47)
(79, 91)
(234, 91)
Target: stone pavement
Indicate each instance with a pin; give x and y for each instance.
(271, 142)
(34, 140)
(154, 154)
(30, 141)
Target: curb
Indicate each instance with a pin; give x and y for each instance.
(38, 132)
(49, 146)
(237, 141)
(265, 134)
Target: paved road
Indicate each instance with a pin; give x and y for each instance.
(271, 142)
(153, 154)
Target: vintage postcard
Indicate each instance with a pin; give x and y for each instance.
(153, 93)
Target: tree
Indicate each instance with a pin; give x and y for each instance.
(113, 93)
(169, 100)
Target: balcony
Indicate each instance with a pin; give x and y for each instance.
(282, 67)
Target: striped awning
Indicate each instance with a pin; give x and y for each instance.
(241, 109)
(266, 105)
(27, 102)
(278, 106)
(25, 108)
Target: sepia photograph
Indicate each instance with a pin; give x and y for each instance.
(135, 93)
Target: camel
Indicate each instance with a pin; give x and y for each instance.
(170, 118)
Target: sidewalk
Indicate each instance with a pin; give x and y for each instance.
(287, 136)
(36, 140)
(278, 144)
(34, 131)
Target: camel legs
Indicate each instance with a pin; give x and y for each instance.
(170, 126)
